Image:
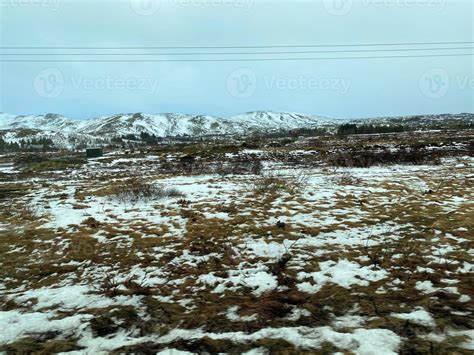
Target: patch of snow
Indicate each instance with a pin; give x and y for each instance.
(419, 316)
(297, 313)
(173, 352)
(234, 317)
(70, 298)
(425, 287)
(360, 341)
(467, 267)
(349, 321)
(464, 298)
(259, 281)
(14, 325)
(343, 273)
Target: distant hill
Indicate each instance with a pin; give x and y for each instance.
(68, 132)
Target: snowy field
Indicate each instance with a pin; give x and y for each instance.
(352, 260)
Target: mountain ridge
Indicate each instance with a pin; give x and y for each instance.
(63, 130)
(160, 124)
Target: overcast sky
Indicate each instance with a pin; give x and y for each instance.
(332, 88)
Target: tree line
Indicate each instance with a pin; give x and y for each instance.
(23, 144)
(351, 128)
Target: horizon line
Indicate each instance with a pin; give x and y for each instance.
(235, 115)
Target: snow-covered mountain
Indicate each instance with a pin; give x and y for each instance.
(68, 132)
(61, 129)
(49, 122)
(170, 124)
(265, 120)
(161, 125)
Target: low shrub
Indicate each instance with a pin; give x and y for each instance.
(361, 158)
(241, 167)
(271, 182)
(136, 190)
(39, 162)
(268, 183)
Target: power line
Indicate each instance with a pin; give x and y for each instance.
(223, 60)
(238, 53)
(247, 47)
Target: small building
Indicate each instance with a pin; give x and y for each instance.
(94, 152)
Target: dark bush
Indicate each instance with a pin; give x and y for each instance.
(358, 158)
(136, 190)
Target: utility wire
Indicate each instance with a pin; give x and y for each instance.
(246, 47)
(224, 60)
(239, 53)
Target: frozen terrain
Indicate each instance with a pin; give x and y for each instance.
(364, 260)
